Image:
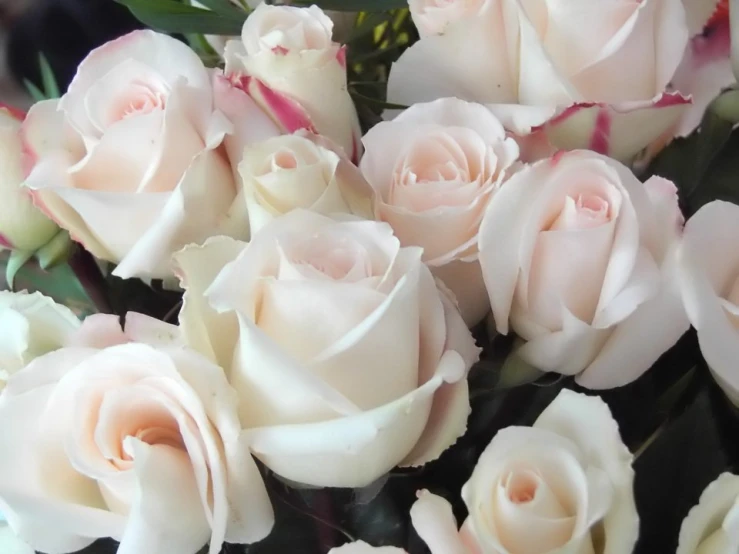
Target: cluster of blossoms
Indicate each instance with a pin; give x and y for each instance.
(331, 279)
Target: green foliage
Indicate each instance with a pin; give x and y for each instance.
(49, 87)
(356, 5)
(173, 16)
(704, 166)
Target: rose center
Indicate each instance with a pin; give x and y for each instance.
(337, 258)
(140, 100)
(284, 160)
(583, 211)
(521, 486)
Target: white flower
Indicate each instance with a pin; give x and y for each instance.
(712, 526)
(31, 325)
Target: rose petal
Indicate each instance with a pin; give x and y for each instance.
(467, 61)
(717, 501)
(213, 334)
(588, 422)
(352, 451)
(434, 522)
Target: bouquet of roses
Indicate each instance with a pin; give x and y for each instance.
(447, 276)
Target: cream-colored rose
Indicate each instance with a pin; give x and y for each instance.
(287, 61)
(544, 489)
(347, 359)
(112, 436)
(710, 288)
(579, 260)
(30, 325)
(712, 526)
(435, 168)
(433, 16)
(301, 170)
(22, 226)
(130, 161)
(602, 67)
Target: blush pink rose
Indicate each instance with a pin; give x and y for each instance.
(347, 358)
(288, 62)
(130, 159)
(601, 68)
(434, 169)
(131, 436)
(579, 260)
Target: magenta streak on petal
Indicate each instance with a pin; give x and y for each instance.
(566, 114)
(557, 156)
(600, 139)
(288, 112)
(671, 99)
(5, 243)
(280, 50)
(341, 57)
(14, 112)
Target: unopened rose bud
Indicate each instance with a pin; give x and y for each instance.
(22, 226)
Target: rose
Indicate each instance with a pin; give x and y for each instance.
(128, 160)
(22, 226)
(432, 17)
(435, 168)
(709, 283)
(601, 68)
(712, 526)
(110, 438)
(287, 60)
(561, 478)
(540, 489)
(302, 170)
(30, 325)
(346, 357)
(579, 256)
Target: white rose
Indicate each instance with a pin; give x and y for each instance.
(301, 170)
(435, 168)
(129, 160)
(129, 436)
(288, 52)
(545, 488)
(712, 526)
(22, 226)
(579, 259)
(433, 16)
(347, 358)
(602, 67)
(710, 288)
(31, 325)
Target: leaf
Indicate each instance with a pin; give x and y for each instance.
(35, 92)
(356, 5)
(48, 81)
(175, 17)
(224, 7)
(17, 260)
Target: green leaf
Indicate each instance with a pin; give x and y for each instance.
(35, 92)
(224, 7)
(48, 81)
(174, 17)
(17, 260)
(357, 5)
